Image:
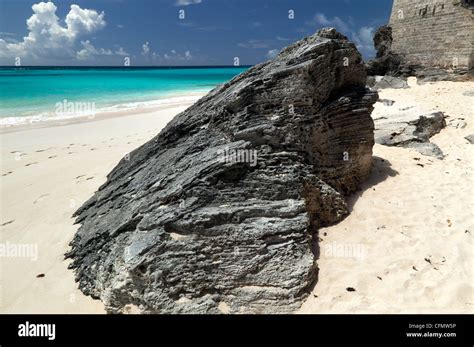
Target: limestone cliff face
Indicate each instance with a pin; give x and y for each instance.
(219, 211)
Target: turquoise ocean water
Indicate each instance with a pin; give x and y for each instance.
(33, 93)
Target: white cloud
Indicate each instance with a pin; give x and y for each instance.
(89, 51)
(362, 37)
(121, 52)
(10, 40)
(364, 41)
(187, 2)
(176, 56)
(146, 48)
(321, 20)
(281, 38)
(272, 53)
(254, 44)
(80, 20)
(49, 38)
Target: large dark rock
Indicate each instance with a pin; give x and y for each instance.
(383, 41)
(407, 128)
(386, 62)
(218, 213)
(434, 74)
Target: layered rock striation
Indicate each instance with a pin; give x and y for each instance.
(219, 212)
(410, 129)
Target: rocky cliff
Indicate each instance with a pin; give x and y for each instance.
(219, 212)
(385, 61)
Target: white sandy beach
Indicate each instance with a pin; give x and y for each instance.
(407, 245)
(46, 174)
(411, 225)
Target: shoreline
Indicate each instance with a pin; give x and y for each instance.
(172, 100)
(398, 220)
(46, 174)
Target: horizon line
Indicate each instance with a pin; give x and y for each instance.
(126, 67)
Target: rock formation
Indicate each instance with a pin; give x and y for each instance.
(383, 41)
(435, 74)
(218, 213)
(470, 138)
(384, 82)
(385, 62)
(407, 128)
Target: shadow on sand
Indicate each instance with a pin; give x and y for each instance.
(381, 170)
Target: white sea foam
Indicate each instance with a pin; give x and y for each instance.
(139, 105)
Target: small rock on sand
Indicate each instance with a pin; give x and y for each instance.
(470, 138)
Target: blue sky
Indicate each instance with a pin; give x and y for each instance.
(151, 32)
